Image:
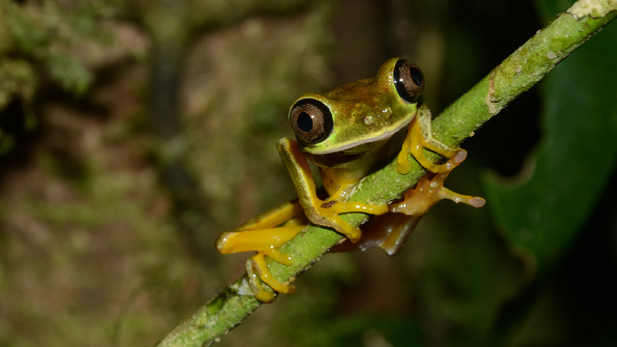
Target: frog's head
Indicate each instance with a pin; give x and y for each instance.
(354, 117)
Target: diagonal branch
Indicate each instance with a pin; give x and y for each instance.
(515, 75)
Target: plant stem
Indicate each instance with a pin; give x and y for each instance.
(515, 75)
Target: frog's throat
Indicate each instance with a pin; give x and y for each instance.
(385, 135)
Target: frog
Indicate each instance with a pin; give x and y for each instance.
(347, 133)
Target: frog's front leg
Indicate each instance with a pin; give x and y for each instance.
(265, 234)
(429, 190)
(419, 137)
(390, 231)
(321, 212)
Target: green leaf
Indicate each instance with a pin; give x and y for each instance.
(542, 213)
(16, 78)
(71, 73)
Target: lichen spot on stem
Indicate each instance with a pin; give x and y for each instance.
(593, 8)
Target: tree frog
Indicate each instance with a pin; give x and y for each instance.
(347, 133)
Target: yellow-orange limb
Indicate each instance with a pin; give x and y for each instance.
(399, 227)
(325, 213)
(274, 217)
(430, 191)
(261, 240)
(257, 270)
(420, 137)
(261, 234)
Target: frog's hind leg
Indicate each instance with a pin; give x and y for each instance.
(399, 227)
(388, 232)
(265, 234)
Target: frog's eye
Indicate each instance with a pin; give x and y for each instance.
(408, 79)
(311, 120)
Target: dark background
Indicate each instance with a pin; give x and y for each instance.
(132, 133)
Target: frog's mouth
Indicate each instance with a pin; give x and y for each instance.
(356, 153)
(355, 146)
(335, 159)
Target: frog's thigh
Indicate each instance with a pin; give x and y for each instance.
(274, 217)
(388, 232)
(261, 240)
(399, 226)
(261, 233)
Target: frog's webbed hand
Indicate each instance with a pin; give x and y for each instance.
(321, 212)
(390, 231)
(428, 191)
(265, 234)
(419, 137)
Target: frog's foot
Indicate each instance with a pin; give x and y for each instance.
(420, 137)
(257, 270)
(262, 236)
(327, 213)
(265, 242)
(430, 191)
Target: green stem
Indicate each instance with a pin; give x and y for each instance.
(519, 72)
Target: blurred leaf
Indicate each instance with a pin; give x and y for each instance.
(544, 210)
(55, 33)
(16, 78)
(71, 73)
(27, 33)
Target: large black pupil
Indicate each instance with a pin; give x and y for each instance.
(305, 122)
(416, 76)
